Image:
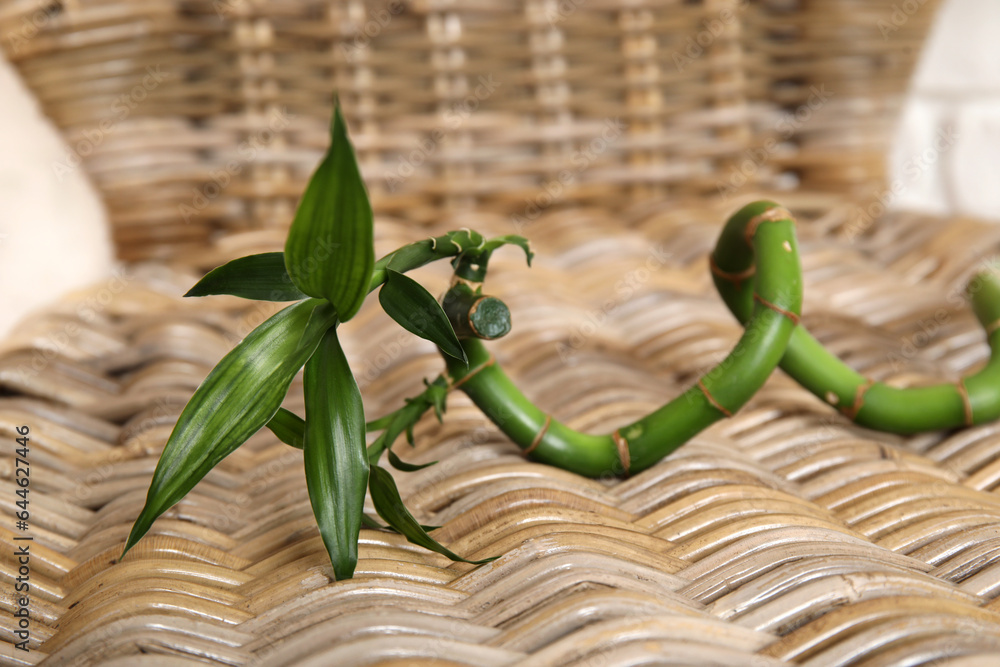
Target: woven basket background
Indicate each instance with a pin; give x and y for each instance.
(201, 120)
(782, 536)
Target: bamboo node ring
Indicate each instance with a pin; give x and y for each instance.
(859, 400)
(736, 279)
(471, 374)
(623, 453)
(778, 309)
(963, 391)
(774, 214)
(538, 436)
(711, 399)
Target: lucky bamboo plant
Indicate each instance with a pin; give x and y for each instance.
(328, 268)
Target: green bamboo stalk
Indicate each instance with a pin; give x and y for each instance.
(972, 400)
(777, 303)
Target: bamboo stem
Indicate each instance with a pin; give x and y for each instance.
(974, 400)
(776, 301)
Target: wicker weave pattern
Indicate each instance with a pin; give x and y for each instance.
(201, 120)
(781, 536)
(839, 71)
(784, 535)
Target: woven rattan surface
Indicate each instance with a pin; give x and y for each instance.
(782, 535)
(200, 120)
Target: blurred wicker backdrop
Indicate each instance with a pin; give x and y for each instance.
(200, 120)
(785, 535)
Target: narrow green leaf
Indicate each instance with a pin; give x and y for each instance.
(262, 277)
(407, 258)
(335, 455)
(379, 424)
(375, 449)
(238, 397)
(512, 239)
(288, 427)
(400, 464)
(417, 311)
(390, 507)
(330, 248)
(369, 522)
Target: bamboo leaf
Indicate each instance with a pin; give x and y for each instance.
(288, 427)
(416, 310)
(238, 397)
(262, 277)
(335, 455)
(400, 464)
(330, 248)
(511, 239)
(390, 507)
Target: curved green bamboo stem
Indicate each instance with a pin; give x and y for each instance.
(721, 392)
(973, 400)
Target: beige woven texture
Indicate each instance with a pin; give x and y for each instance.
(784, 535)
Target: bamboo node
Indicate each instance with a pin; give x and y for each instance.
(963, 391)
(624, 455)
(859, 400)
(774, 214)
(472, 373)
(736, 279)
(992, 329)
(711, 399)
(538, 436)
(778, 309)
